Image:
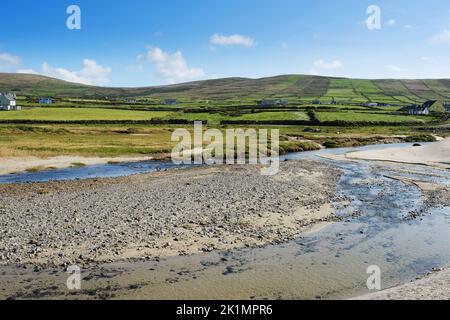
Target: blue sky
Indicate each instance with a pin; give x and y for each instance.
(155, 42)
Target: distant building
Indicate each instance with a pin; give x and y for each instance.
(447, 107)
(274, 102)
(8, 102)
(316, 102)
(45, 100)
(171, 101)
(422, 110)
(372, 104)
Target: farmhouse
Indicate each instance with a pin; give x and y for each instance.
(8, 102)
(43, 100)
(422, 110)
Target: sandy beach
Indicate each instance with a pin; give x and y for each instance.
(161, 214)
(435, 154)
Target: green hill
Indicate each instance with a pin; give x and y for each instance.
(286, 86)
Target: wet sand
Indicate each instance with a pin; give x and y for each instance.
(436, 154)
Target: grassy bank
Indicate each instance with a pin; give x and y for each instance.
(138, 140)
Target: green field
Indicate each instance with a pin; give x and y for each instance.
(85, 140)
(355, 114)
(60, 114)
(215, 118)
(67, 114)
(119, 140)
(368, 117)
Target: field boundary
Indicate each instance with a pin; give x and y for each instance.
(93, 122)
(337, 123)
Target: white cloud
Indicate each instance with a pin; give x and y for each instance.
(391, 22)
(8, 61)
(324, 65)
(232, 40)
(171, 67)
(396, 68)
(442, 37)
(91, 73)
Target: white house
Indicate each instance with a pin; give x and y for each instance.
(8, 102)
(421, 110)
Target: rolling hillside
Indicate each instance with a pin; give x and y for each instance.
(286, 86)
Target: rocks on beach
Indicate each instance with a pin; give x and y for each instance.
(158, 214)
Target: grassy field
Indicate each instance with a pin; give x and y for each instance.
(368, 117)
(215, 118)
(89, 140)
(61, 114)
(80, 114)
(44, 141)
(129, 140)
